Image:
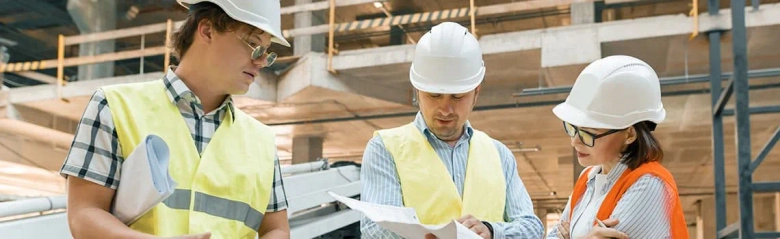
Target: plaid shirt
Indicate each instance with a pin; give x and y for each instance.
(96, 156)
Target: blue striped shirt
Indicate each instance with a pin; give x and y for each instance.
(642, 212)
(382, 186)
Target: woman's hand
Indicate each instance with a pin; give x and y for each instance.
(605, 233)
(563, 230)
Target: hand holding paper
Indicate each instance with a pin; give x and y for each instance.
(144, 180)
(404, 222)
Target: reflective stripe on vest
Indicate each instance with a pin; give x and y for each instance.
(427, 186)
(225, 190)
(678, 227)
(215, 206)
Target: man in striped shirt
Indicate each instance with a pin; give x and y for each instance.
(439, 165)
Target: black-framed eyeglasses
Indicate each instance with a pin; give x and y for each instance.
(259, 51)
(587, 138)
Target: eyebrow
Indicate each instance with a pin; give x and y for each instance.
(590, 130)
(256, 36)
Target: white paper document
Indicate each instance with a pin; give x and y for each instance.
(404, 222)
(144, 181)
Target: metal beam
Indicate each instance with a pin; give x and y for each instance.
(121, 33)
(35, 23)
(7, 42)
(83, 60)
(412, 114)
(718, 154)
(322, 5)
(767, 234)
(45, 9)
(765, 150)
(431, 16)
(742, 115)
(484, 108)
(729, 231)
(38, 76)
(766, 187)
(665, 81)
(724, 97)
(755, 110)
(74, 89)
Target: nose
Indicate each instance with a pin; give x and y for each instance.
(575, 140)
(261, 62)
(447, 107)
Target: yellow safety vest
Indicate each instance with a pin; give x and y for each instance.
(224, 191)
(428, 187)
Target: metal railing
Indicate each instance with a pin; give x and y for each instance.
(32, 205)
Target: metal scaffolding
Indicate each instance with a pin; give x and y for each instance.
(738, 85)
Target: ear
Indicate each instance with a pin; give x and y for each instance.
(631, 135)
(205, 30)
(476, 93)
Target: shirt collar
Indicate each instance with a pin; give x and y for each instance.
(419, 122)
(613, 174)
(178, 91)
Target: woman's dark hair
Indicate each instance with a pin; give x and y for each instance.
(645, 148)
(182, 40)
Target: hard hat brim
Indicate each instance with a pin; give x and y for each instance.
(449, 88)
(443, 89)
(577, 117)
(276, 36)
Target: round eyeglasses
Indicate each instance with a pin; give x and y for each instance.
(587, 138)
(259, 52)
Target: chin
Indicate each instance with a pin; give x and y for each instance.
(585, 162)
(238, 92)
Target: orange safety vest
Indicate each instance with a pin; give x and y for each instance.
(677, 220)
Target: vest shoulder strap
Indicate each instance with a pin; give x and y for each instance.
(579, 189)
(628, 179)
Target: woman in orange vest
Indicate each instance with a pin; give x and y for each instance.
(624, 192)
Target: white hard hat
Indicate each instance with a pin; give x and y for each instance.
(263, 14)
(447, 60)
(615, 92)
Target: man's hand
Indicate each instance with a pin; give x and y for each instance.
(476, 226)
(563, 230)
(605, 233)
(472, 224)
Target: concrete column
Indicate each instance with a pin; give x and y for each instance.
(306, 149)
(94, 16)
(583, 13)
(576, 166)
(699, 232)
(310, 43)
(4, 58)
(542, 214)
(777, 211)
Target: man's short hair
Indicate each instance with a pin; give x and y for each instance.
(221, 22)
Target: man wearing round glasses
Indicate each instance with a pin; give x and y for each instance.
(624, 192)
(224, 162)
